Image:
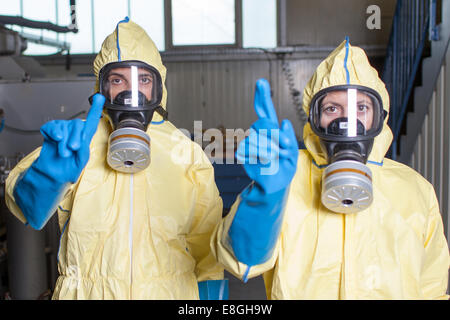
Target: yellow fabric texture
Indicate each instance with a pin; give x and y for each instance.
(395, 249)
(136, 236)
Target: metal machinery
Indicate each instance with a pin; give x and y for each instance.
(28, 257)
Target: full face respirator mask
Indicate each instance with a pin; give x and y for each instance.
(133, 92)
(346, 119)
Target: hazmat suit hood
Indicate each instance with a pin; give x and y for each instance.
(130, 42)
(332, 72)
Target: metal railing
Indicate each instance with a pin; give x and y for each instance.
(413, 20)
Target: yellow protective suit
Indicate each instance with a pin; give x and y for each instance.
(395, 249)
(136, 236)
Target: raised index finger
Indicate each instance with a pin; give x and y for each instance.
(93, 117)
(263, 101)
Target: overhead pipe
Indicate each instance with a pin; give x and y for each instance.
(73, 16)
(23, 22)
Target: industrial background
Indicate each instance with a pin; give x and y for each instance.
(46, 57)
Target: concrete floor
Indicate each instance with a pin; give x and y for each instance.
(252, 290)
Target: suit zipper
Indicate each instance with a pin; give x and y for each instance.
(130, 233)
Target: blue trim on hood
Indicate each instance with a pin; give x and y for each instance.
(325, 165)
(62, 232)
(346, 58)
(376, 163)
(125, 20)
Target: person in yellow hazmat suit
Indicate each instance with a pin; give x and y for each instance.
(135, 222)
(337, 220)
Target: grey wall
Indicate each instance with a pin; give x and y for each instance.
(27, 106)
(431, 156)
(220, 93)
(217, 91)
(218, 88)
(325, 22)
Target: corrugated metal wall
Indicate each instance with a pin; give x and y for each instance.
(323, 22)
(220, 93)
(431, 156)
(216, 89)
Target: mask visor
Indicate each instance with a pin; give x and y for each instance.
(346, 112)
(130, 85)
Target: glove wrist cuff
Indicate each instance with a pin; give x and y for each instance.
(55, 179)
(37, 196)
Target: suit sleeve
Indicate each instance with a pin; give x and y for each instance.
(434, 279)
(12, 180)
(224, 253)
(10, 183)
(207, 214)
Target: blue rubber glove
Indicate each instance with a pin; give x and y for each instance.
(213, 289)
(269, 155)
(63, 156)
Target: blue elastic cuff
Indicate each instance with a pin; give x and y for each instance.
(213, 289)
(257, 224)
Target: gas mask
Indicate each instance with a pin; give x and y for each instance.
(346, 119)
(133, 92)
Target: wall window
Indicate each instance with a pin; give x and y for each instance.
(239, 23)
(106, 15)
(95, 19)
(259, 26)
(35, 12)
(203, 22)
(149, 14)
(82, 41)
(170, 23)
